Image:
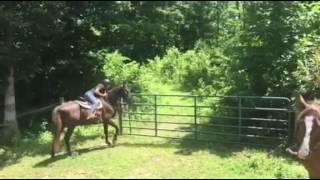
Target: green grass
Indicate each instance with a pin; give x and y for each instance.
(142, 157)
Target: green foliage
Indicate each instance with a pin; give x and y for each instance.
(202, 70)
(47, 44)
(121, 69)
(307, 76)
(10, 136)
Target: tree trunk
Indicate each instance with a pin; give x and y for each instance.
(10, 121)
(243, 15)
(238, 8)
(218, 24)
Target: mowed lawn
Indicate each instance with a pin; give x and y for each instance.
(142, 157)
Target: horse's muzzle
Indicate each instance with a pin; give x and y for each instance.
(303, 154)
(290, 151)
(299, 154)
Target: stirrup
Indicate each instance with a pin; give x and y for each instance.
(81, 98)
(91, 116)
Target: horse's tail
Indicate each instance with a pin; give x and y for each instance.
(55, 116)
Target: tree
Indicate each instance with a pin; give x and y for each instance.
(41, 42)
(10, 120)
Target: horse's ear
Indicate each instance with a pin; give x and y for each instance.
(316, 108)
(124, 84)
(305, 104)
(318, 121)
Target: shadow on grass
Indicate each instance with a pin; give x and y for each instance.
(79, 152)
(187, 146)
(50, 160)
(75, 154)
(149, 145)
(32, 146)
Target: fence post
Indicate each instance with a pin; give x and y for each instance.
(120, 116)
(155, 116)
(129, 118)
(239, 119)
(290, 127)
(61, 100)
(195, 118)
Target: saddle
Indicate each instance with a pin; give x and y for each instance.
(85, 104)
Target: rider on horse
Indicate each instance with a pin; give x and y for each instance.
(92, 95)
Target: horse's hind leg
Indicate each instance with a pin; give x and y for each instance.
(67, 139)
(56, 142)
(113, 124)
(105, 127)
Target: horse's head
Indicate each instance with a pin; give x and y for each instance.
(308, 129)
(118, 92)
(124, 92)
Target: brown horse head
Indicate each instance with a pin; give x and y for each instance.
(118, 92)
(307, 128)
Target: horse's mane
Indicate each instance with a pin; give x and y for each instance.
(113, 93)
(114, 89)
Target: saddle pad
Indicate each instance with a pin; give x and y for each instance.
(87, 105)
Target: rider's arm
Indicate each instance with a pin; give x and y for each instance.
(98, 90)
(104, 94)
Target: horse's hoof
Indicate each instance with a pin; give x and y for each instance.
(74, 155)
(114, 142)
(109, 143)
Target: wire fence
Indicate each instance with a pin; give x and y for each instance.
(248, 120)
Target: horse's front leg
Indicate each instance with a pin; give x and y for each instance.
(105, 126)
(113, 124)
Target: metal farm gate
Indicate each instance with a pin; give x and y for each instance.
(249, 120)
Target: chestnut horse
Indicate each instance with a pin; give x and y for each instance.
(71, 114)
(307, 132)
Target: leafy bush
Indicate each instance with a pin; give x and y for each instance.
(307, 74)
(121, 69)
(203, 71)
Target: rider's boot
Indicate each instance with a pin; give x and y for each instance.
(91, 115)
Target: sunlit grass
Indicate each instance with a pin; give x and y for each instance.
(143, 157)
